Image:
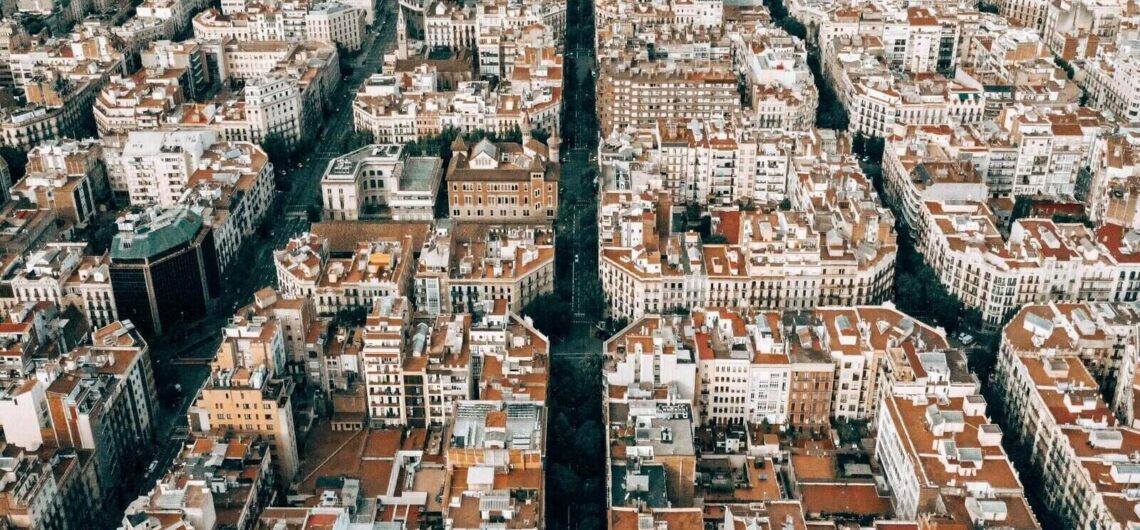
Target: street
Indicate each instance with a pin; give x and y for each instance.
(184, 361)
(579, 201)
(576, 473)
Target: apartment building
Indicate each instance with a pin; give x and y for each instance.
(916, 40)
(329, 22)
(474, 449)
(335, 23)
(796, 369)
(71, 199)
(1111, 81)
(157, 165)
(877, 98)
(1112, 193)
(248, 59)
(744, 371)
(153, 20)
(416, 373)
(381, 181)
(300, 263)
(1055, 411)
(53, 492)
(381, 353)
(186, 57)
(780, 88)
(450, 25)
(188, 503)
(1103, 336)
(637, 94)
(247, 391)
(1026, 153)
(1076, 30)
(652, 453)
(503, 180)
(375, 269)
(417, 97)
(465, 264)
(59, 79)
(768, 260)
(110, 410)
(653, 351)
(1038, 260)
(944, 454)
(705, 161)
(809, 394)
(24, 128)
(27, 227)
(271, 104)
(697, 15)
(97, 400)
(302, 330)
(62, 274)
(334, 516)
(1028, 13)
(232, 188)
(395, 115)
(145, 100)
(236, 469)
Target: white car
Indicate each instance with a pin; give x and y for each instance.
(966, 338)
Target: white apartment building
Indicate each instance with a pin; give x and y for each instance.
(465, 265)
(654, 350)
(157, 164)
(1113, 82)
(450, 25)
(680, 160)
(329, 22)
(769, 261)
(915, 39)
(780, 85)
(273, 105)
(743, 369)
(1114, 193)
(249, 59)
(944, 453)
(749, 364)
(399, 106)
(382, 354)
(376, 269)
(877, 98)
(144, 101)
(336, 23)
(1039, 260)
(232, 189)
(299, 264)
(60, 273)
(1055, 410)
(415, 375)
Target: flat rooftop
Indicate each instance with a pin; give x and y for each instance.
(420, 173)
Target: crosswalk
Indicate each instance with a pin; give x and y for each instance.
(574, 355)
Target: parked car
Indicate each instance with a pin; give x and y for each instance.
(966, 338)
